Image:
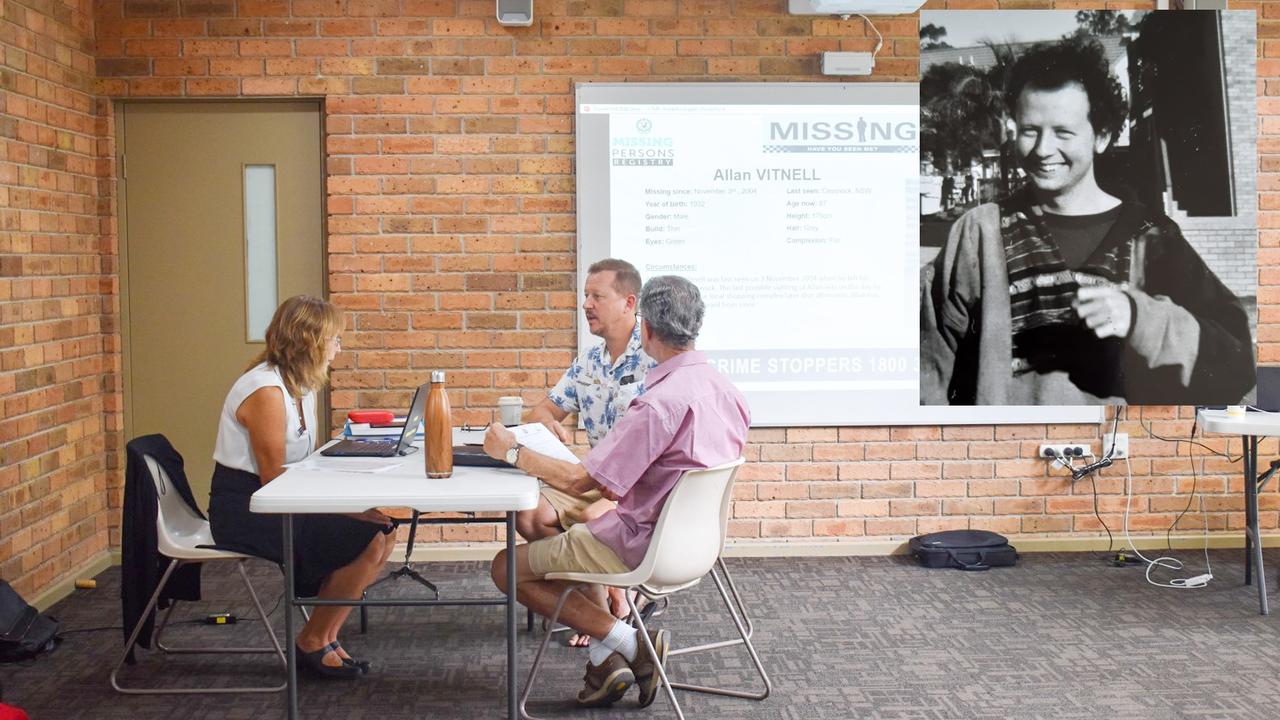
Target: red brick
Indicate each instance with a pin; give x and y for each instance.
(892, 527)
(786, 528)
(828, 527)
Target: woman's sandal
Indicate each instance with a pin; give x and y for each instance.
(362, 665)
(314, 663)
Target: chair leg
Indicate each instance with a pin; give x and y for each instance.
(746, 641)
(262, 615)
(537, 659)
(742, 608)
(648, 643)
(151, 604)
(137, 629)
(160, 628)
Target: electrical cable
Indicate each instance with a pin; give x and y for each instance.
(1169, 563)
(270, 612)
(1195, 479)
(73, 631)
(1115, 427)
(1219, 453)
(1067, 463)
(1106, 460)
(879, 37)
(1111, 542)
(192, 621)
(1093, 483)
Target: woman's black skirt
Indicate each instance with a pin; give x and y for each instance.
(321, 543)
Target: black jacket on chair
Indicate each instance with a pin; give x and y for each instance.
(142, 565)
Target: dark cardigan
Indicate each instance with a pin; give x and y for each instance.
(141, 563)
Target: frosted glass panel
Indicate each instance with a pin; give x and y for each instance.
(260, 248)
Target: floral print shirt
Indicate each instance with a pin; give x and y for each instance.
(599, 388)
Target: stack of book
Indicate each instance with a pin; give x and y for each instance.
(367, 431)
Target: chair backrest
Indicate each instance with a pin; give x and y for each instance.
(690, 532)
(178, 529)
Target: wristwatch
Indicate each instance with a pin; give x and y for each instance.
(513, 455)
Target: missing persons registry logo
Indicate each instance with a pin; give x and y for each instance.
(642, 149)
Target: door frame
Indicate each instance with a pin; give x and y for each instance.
(122, 232)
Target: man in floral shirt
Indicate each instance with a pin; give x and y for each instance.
(598, 386)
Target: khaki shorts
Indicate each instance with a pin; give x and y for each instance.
(569, 508)
(575, 550)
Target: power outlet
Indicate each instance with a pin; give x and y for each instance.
(1065, 450)
(1122, 446)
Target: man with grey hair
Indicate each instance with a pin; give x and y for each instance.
(599, 386)
(689, 417)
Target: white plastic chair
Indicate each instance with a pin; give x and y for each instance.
(686, 545)
(179, 535)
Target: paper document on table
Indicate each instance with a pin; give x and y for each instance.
(539, 439)
(351, 465)
(468, 436)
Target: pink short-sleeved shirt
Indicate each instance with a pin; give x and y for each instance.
(690, 417)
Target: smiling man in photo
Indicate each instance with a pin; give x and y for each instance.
(1065, 293)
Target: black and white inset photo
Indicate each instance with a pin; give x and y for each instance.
(1088, 207)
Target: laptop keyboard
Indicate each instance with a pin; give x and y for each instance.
(353, 448)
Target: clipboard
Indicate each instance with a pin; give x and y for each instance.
(474, 456)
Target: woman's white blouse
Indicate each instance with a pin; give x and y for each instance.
(233, 449)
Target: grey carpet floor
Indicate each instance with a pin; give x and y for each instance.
(1058, 636)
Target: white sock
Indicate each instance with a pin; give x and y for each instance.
(598, 652)
(621, 639)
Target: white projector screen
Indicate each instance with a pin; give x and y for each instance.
(795, 209)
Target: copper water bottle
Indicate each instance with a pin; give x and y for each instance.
(438, 435)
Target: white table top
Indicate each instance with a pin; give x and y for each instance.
(316, 489)
(1252, 423)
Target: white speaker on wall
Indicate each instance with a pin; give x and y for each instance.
(515, 12)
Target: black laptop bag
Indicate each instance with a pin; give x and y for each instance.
(24, 632)
(963, 550)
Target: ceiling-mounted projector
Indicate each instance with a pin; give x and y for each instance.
(853, 7)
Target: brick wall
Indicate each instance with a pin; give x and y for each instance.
(1243, 89)
(451, 231)
(1231, 252)
(1229, 245)
(57, 362)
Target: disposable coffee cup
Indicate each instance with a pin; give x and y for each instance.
(510, 409)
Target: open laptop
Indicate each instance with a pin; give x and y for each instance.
(389, 447)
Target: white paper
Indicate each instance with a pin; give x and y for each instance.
(468, 437)
(539, 439)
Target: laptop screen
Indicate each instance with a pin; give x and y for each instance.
(414, 418)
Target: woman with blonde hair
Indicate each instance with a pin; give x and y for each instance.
(268, 420)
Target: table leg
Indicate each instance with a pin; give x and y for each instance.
(1251, 488)
(511, 616)
(1249, 471)
(290, 653)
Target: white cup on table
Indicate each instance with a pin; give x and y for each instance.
(510, 409)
